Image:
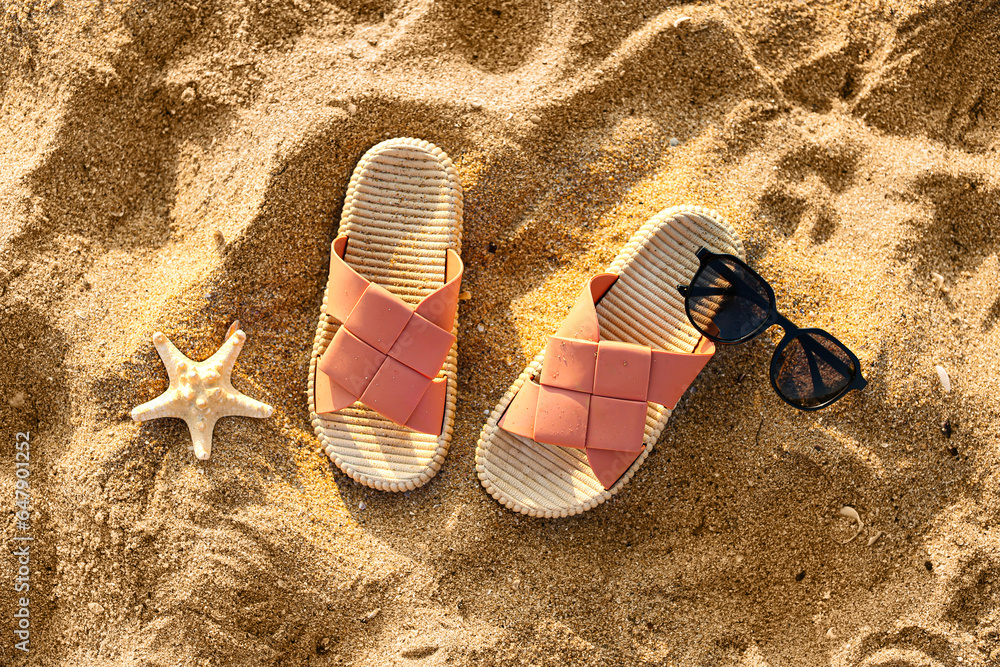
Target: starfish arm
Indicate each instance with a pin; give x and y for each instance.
(225, 357)
(173, 359)
(235, 404)
(164, 405)
(201, 437)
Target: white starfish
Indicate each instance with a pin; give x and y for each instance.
(201, 392)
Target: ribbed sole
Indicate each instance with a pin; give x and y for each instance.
(402, 212)
(642, 307)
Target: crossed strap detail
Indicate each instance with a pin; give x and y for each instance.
(387, 354)
(592, 394)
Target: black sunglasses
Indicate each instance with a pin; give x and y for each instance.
(728, 302)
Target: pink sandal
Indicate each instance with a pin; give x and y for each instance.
(586, 412)
(382, 381)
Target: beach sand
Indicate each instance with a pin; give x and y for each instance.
(173, 166)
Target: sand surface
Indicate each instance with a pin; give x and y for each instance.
(169, 165)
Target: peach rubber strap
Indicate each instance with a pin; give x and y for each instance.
(387, 354)
(592, 394)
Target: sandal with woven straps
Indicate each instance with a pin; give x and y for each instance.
(585, 414)
(382, 377)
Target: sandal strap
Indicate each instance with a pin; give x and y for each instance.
(592, 394)
(387, 354)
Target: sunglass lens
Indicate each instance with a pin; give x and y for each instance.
(813, 369)
(726, 302)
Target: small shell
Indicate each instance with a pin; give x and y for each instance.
(874, 538)
(943, 376)
(852, 513)
(938, 280)
(679, 21)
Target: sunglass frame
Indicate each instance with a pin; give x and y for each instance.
(792, 331)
